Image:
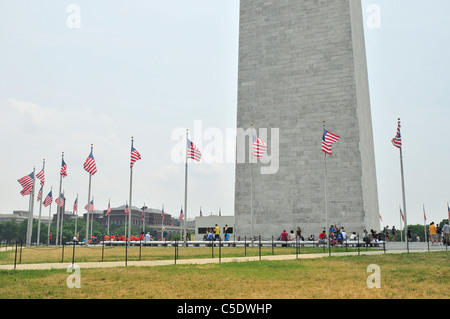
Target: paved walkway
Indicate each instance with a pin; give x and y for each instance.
(149, 263)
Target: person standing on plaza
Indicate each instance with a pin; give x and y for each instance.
(433, 233)
(217, 232)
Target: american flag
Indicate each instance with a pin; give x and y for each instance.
(41, 176)
(397, 140)
(259, 147)
(48, 200)
(403, 216)
(39, 194)
(63, 172)
(127, 210)
(89, 165)
(135, 156)
(60, 200)
(193, 152)
(328, 139)
(424, 215)
(448, 209)
(181, 215)
(75, 205)
(27, 183)
(91, 206)
(201, 214)
(162, 215)
(143, 213)
(381, 218)
(109, 209)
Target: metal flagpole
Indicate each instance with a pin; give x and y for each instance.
(143, 218)
(109, 205)
(88, 204)
(403, 195)
(62, 217)
(92, 216)
(58, 208)
(401, 227)
(251, 185)
(49, 219)
(424, 225)
(326, 195)
(76, 218)
(40, 210)
(30, 212)
(185, 191)
(131, 186)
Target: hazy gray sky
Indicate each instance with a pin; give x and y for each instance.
(74, 73)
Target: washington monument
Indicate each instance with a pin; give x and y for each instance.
(302, 68)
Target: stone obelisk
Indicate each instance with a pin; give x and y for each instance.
(302, 62)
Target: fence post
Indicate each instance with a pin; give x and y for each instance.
(358, 245)
(272, 246)
(259, 247)
(140, 247)
(103, 247)
(245, 246)
(175, 245)
(220, 250)
(15, 258)
(62, 251)
(20, 256)
(73, 254)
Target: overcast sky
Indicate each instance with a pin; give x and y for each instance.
(76, 73)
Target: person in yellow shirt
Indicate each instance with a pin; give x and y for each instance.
(217, 232)
(433, 233)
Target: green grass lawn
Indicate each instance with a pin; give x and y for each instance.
(403, 276)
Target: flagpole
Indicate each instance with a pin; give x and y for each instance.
(185, 191)
(30, 212)
(76, 218)
(40, 210)
(143, 219)
(88, 204)
(58, 210)
(251, 189)
(109, 205)
(424, 225)
(403, 195)
(62, 217)
(401, 227)
(49, 218)
(131, 186)
(326, 193)
(92, 216)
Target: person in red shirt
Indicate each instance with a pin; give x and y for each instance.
(323, 237)
(284, 235)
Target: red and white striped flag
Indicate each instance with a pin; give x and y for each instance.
(403, 216)
(48, 200)
(181, 215)
(39, 194)
(328, 140)
(60, 200)
(162, 215)
(397, 140)
(75, 205)
(109, 209)
(41, 176)
(127, 210)
(135, 156)
(89, 165)
(259, 147)
(63, 171)
(193, 152)
(91, 206)
(27, 183)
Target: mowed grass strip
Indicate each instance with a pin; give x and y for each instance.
(415, 275)
(37, 255)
